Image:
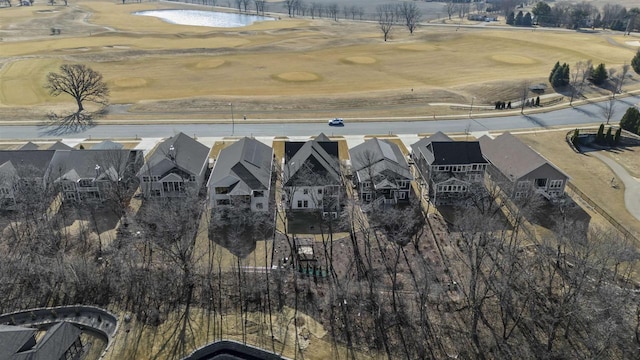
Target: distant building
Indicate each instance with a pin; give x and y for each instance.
(59, 342)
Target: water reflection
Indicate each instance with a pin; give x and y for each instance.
(204, 18)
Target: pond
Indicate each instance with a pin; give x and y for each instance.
(204, 18)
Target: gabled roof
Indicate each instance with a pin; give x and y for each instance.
(455, 153)
(29, 146)
(7, 172)
(512, 157)
(55, 342)
(58, 145)
(182, 151)
(379, 158)
(33, 163)
(107, 145)
(247, 164)
(424, 142)
(73, 165)
(319, 157)
(13, 339)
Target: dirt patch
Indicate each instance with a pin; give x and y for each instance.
(360, 60)
(513, 59)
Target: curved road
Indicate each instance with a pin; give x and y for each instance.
(578, 115)
(631, 184)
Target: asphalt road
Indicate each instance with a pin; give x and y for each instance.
(584, 114)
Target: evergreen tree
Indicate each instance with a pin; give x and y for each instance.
(526, 20)
(609, 137)
(616, 138)
(538, 101)
(631, 120)
(553, 71)
(599, 75)
(635, 62)
(575, 137)
(511, 18)
(519, 17)
(600, 134)
(566, 73)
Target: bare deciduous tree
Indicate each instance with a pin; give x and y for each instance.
(386, 15)
(411, 15)
(81, 82)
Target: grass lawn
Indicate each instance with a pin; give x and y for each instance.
(302, 63)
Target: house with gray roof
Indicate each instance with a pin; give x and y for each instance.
(241, 175)
(176, 167)
(380, 172)
(107, 145)
(60, 341)
(311, 175)
(91, 174)
(23, 173)
(519, 170)
(453, 170)
(59, 145)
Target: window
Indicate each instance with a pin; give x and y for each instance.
(259, 206)
(223, 202)
(319, 191)
(305, 203)
(555, 184)
(145, 179)
(402, 195)
(86, 182)
(4, 191)
(70, 196)
(222, 190)
(367, 197)
(258, 194)
(299, 203)
(541, 183)
(192, 178)
(68, 186)
(155, 178)
(367, 185)
(403, 184)
(474, 167)
(523, 185)
(173, 186)
(305, 191)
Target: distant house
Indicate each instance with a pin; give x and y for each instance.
(59, 145)
(23, 173)
(90, 174)
(519, 170)
(311, 175)
(241, 175)
(175, 168)
(107, 145)
(60, 341)
(453, 170)
(381, 172)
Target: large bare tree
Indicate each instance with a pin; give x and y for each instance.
(386, 15)
(81, 82)
(411, 14)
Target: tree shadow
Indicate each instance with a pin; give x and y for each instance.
(535, 120)
(586, 112)
(70, 124)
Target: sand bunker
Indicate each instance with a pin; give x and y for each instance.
(633, 43)
(359, 60)
(417, 47)
(297, 76)
(209, 64)
(513, 59)
(130, 82)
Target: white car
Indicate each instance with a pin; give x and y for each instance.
(336, 122)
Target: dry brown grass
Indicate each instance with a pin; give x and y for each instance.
(307, 63)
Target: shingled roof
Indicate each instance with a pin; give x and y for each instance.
(439, 149)
(379, 157)
(33, 162)
(18, 343)
(245, 165)
(319, 156)
(512, 157)
(181, 151)
(89, 164)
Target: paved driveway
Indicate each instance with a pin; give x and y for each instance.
(631, 184)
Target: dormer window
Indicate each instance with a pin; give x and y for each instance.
(86, 182)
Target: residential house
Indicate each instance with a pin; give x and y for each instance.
(520, 170)
(60, 341)
(22, 173)
(175, 168)
(91, 174)
(311, 175)
(453, 170)
(380, 172)
(241, 175)
(107, 145)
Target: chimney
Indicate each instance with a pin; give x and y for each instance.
(172, 152)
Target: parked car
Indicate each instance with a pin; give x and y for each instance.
(336, 122)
